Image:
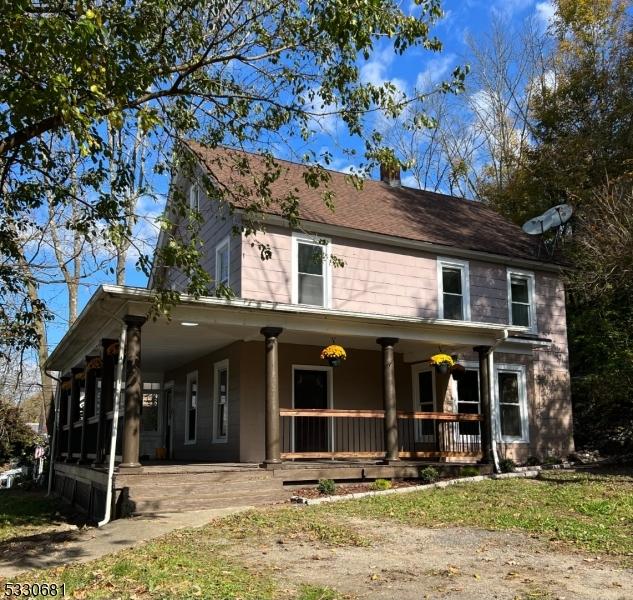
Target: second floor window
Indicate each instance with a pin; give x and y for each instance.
(453, 290)
(311, 272)
(520, 299)
(222, 256)
(194, 197)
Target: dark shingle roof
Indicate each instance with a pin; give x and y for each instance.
(380, 208)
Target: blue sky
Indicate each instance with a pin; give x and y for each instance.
(463, 19)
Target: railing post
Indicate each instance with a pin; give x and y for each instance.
(133, 394)
(389, 398)
(271, 343)
(64, 399)
(484, 399)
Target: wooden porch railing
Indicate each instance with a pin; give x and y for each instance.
(346, 433)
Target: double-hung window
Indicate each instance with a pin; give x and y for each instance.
(311, 273)
(220, 401)
(194, 197)
(453, 289)
(149, 415)
(521, 299)
(512, 403)
(222, 259)
(191, 416)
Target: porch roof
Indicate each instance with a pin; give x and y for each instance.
(167, 343)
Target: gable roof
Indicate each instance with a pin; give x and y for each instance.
(379, 208)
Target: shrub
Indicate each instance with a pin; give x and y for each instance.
(429, 475)
(507, 465)
(552, 460)
(469, 471)
(327, 487)
(380, 484)
(533, 461)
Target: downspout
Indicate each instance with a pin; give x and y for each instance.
(493, 405)
(54, 440)
(115, 426)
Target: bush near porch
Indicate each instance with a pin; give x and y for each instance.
(586, 511)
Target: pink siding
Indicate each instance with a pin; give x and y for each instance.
(488, 292)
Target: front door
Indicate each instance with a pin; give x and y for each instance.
(311, 434)
(424, 401)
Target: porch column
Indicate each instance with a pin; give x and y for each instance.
(484, 399)
(389, 398)
(105, 400)
(273, 446)
(133, 393)
(89, 399)
(73, 408)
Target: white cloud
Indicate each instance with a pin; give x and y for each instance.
(510, 8)
(435, 70)
(545, 12)
(375, 70)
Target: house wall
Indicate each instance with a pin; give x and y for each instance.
(204, 447)
(217, 225)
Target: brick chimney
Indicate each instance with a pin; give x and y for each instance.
(390, 175)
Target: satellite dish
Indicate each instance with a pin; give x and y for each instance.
(535, 226)
(556, 216)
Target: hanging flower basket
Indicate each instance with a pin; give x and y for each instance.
(334, 355)
(442, 363)
(457, 371)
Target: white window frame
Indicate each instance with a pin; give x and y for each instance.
(327, 274)
(191, 377)
(194, 197)
(167, 418)
(415, 371)
(531, 280)
(225, 242)
(217, 367)
(520, 370)
(469, 365)
(464, 268)
(158, 407)
(330, 400)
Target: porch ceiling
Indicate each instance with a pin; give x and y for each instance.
(169, 343)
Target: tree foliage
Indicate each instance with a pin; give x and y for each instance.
(243, 73)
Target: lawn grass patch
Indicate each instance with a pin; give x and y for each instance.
(25, 513)
(591, 511)
(296, 522)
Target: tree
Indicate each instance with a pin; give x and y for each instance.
(240, 73)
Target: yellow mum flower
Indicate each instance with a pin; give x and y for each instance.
(439, 359)
(333, 351)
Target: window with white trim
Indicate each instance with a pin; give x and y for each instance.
(220, 401)
(149, 410)
(222, 262)
(191, 404)
(468, 401)
(453, 283)
(521, 299)
(311, 272)
(424, 400)
(512, 403)
(194, 197)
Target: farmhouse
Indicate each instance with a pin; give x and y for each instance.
(231, 398)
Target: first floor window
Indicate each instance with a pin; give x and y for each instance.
(97, 407)
(512, 404)
(149, 414)
(191, 418)
(220, 401)
(468, 401)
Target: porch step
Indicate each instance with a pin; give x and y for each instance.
(177, 479)
(207, 491)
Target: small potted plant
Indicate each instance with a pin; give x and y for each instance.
(442, 363)
(334, 354)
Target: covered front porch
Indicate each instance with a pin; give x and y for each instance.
(240, 382)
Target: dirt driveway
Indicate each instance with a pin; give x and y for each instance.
(463, 563)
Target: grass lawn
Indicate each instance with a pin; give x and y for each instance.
(585, 511)
(25, 513)
(593, 512)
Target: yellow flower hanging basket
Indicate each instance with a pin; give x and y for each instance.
(334, 354)
(442, 362)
